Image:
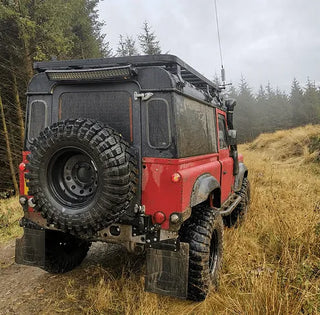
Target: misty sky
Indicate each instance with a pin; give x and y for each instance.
(274, 40)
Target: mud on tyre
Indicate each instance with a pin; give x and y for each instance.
(82, 175)
(204, 233)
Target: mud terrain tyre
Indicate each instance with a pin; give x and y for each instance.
(82, 175)
(204, 233)
(238, 215)
(63, 252)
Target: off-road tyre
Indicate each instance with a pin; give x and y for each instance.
(238, 215)
(63, 252)
(203, 231)
(81, 147)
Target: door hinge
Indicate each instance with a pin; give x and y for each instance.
(143, 96)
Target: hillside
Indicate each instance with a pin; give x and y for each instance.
(271, 263)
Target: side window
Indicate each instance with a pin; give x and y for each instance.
(158, 127)
(222, 133)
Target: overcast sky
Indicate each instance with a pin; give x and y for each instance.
(263, 40)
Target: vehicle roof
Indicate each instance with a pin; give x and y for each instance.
(171, 63)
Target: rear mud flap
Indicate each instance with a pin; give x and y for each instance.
(167, 271)
(30, 249)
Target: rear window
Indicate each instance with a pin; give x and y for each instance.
(37, 118)
(112, 108)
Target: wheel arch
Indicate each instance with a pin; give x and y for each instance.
(243, 173)
(205, 186)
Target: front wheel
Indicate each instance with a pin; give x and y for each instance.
(238, 215)
(204, 233)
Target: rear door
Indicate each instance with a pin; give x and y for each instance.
(225, 160)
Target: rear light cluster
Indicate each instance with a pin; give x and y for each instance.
(159, 217)
(24, 198)
(176, 177)
(22, 166)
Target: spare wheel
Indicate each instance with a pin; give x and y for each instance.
(82, 175)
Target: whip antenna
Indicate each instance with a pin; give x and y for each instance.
(223, 75)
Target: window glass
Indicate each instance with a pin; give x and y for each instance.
(196, 128)
(158, 123)
(37, 118)
(223, 143)
(111, 108)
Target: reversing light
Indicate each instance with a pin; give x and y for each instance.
(90, 74)
(159, 217)
(175, 177)
(31, 203)
(23, 200)
(22, 167)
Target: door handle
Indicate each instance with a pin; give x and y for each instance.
(224, 172)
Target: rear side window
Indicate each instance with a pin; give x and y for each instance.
(158, 127)
(37, 118)
(223, 144)
(112, 108)
(196, 128)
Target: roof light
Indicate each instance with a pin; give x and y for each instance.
(91, 74)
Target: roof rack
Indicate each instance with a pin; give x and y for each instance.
(171, 63)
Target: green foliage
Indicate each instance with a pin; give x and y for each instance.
(148, 41)
(127, 46)
(271, 109)
(36, 30)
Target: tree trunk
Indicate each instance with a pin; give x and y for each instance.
(9, 154)
(27, 54)
(18, 107)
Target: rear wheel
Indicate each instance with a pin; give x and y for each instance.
(63, 252)
(204, 233)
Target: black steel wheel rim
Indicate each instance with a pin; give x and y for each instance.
(72, 177)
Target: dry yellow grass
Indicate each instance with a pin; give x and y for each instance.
(10, 213)
(271, 263)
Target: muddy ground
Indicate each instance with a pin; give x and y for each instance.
(30, 290)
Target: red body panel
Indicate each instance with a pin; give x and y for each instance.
(22, 183)
(159, 193)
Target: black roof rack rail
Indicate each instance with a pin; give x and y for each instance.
(171, 63)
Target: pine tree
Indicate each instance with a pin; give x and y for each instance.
(312, 102)
(148, 41)
(126, 46)
(297, 104)
(34, 30)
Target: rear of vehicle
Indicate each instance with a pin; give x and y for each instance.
(132, 151)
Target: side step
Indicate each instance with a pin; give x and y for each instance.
(167, 271)
(229, 205)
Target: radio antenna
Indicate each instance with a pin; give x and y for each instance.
(223, 75)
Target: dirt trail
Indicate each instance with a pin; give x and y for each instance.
(29, 290)
(17, 283)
